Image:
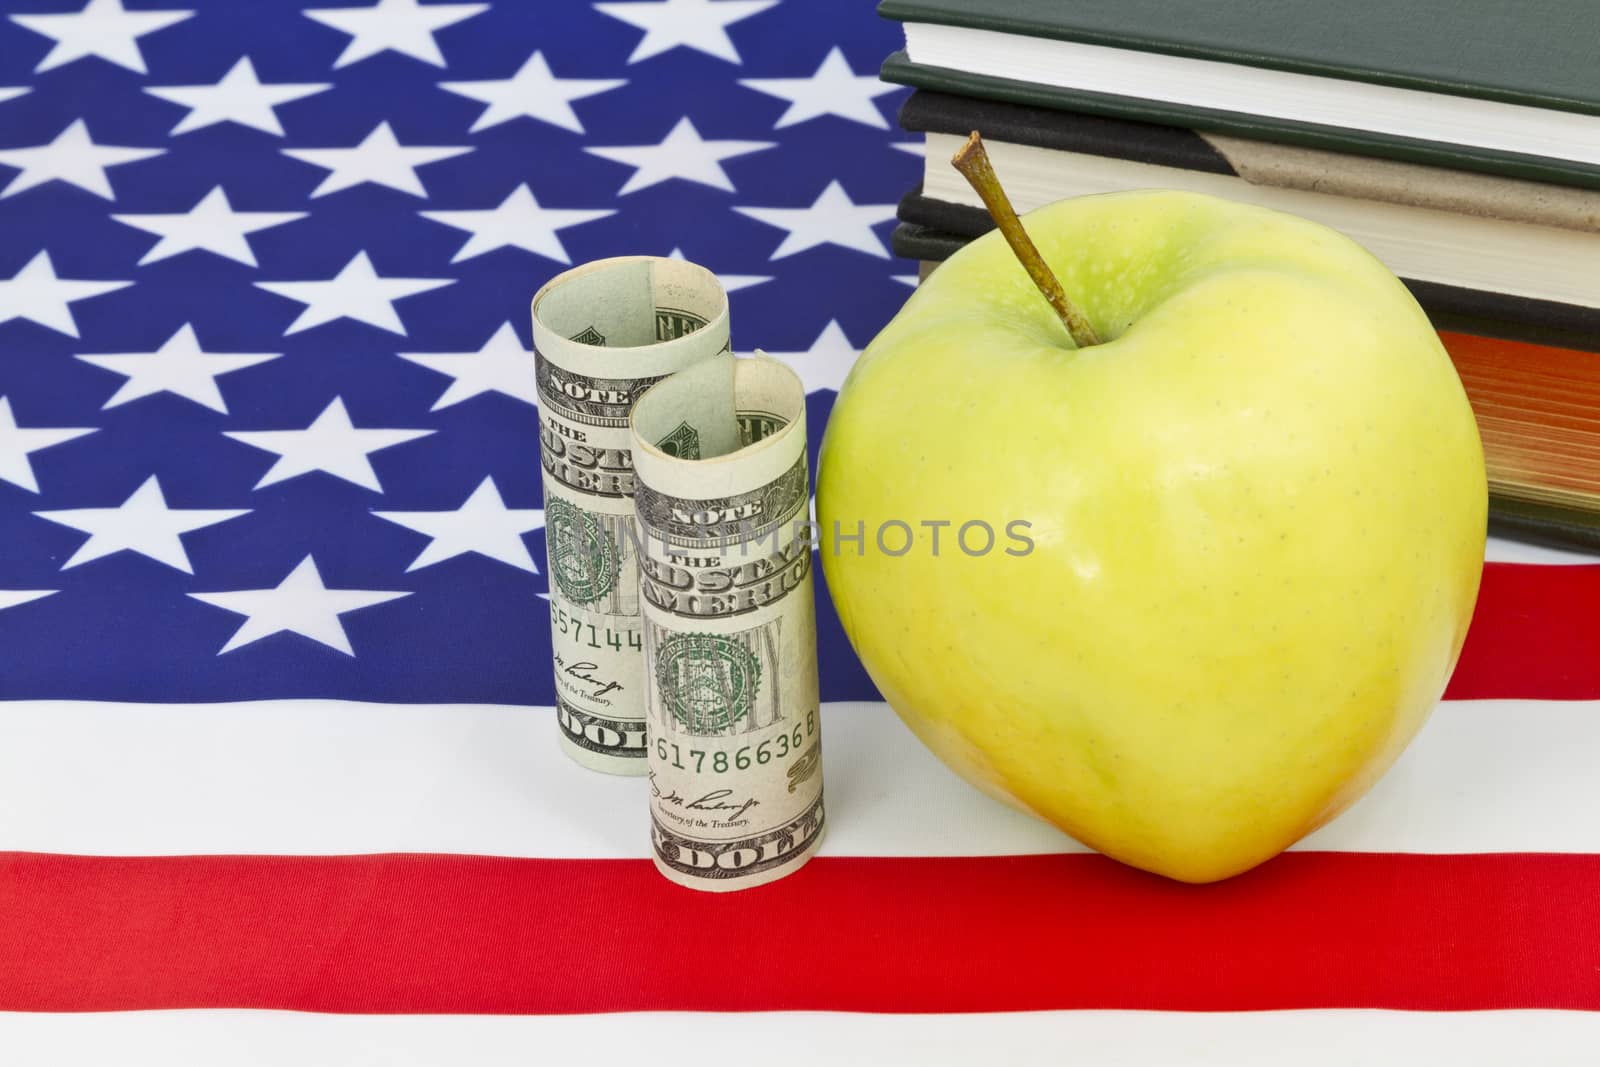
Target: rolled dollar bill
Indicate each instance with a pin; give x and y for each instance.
(603, 333)
(730, 637)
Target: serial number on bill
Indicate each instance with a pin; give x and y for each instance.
(588, 635)
(721, 761)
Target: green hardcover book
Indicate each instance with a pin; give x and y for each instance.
(1510, 89)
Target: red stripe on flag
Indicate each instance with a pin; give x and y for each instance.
(1535, 634)
(458, 934)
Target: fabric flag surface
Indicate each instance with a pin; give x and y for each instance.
(279, 779)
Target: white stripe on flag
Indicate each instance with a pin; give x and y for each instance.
(323, 777)
(1322, 1038)
(1500, 550)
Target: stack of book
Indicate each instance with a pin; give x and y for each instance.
(1459, 142)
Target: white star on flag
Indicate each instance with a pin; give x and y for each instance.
(833, 218)
(533, 91)
(356, 292)
(101, 28)
(483, 525)
(299, 604)
(212, 225)
(682, 153)
(403, 26)
(833, 90)
(72, 157)
(330, 444)
(698, 24)
(502, 365)
(178, 366)
(11, 92)
(35, 293)
(379, 158)
(143, 523)
(10, 598)
(518, 222)
(914, 148)
(907, 279)
(238, 96)
(730, 282)
(825, 364)
(16, 444)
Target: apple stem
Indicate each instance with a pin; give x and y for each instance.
(973, 163)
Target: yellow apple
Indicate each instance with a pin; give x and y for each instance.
(1255, 525)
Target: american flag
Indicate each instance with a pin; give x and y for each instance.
(279, 780)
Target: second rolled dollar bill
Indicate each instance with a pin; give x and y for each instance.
(603, 333)
(735, 743)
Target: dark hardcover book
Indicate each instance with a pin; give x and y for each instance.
(926, 111)
(1488, 253)
(1501, 88)
(1544, 525)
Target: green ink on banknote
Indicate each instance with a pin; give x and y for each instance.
(583, 557)
(673, 323)
(683, 442)
(708, 682)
